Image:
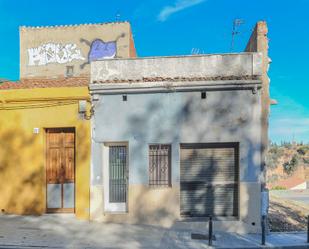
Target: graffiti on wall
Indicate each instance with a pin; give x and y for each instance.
(99, 50)
(64, 53)
(54, 53)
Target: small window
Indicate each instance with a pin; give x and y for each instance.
(160, 165)
(70, 71)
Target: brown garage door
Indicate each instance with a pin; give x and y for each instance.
(209, 179)
(60, 169)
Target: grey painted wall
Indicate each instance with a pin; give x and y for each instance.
(212, 65)
(177, 117)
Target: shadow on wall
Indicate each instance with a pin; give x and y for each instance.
(21, 169)
(224, 116)
(82, 178)
(22, 165)
(198, 197)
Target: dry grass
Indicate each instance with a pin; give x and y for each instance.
(285, 215)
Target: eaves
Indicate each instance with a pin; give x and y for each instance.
(166, 87)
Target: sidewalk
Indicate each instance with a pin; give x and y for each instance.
(182, 240)
(64, 231)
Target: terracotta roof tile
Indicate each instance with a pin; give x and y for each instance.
(177, 79)
(45, 83)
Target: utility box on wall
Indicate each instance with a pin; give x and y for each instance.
(82, 109)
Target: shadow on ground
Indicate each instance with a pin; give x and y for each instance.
(285, 217)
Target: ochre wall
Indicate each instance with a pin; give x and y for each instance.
(22, 153)
(146, 205)
(161, 206)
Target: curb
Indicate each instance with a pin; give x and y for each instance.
(267, 247)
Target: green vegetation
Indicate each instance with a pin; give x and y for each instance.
(306, 161)
(298, 154)
(291, 166)
(283, 160)
(287, 145)
(273, 156)
(303, 150)
(278, 188)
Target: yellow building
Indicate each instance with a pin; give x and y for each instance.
(25, 117)
(45, 140)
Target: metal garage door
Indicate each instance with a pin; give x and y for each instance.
(209, 179)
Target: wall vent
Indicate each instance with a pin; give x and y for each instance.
(69, 71)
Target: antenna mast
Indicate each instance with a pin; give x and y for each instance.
(236, 24)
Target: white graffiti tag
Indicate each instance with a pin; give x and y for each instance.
(53, 53)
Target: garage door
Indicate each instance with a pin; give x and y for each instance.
(209, 179)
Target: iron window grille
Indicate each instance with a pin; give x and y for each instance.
(117, 174)
(160, 165)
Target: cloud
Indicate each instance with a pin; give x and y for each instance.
(179, 5)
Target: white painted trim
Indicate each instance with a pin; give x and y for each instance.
(114, 88)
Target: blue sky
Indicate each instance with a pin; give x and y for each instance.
(177, 27)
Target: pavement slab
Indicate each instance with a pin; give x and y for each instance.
(65, 231)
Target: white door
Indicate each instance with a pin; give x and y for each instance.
(115, 176)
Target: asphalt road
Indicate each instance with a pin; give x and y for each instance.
(301, 196)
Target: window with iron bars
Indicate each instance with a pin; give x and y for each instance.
(160, 165)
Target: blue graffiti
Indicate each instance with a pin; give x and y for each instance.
(100, 50)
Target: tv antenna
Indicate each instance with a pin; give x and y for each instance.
(236, 24)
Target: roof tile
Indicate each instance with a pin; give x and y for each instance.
(45, 83)
(177, 79)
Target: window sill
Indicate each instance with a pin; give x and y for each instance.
(111, 212)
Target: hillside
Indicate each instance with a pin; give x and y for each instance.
(287, 165)
(285, 215)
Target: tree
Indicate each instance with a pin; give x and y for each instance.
(291, 166)
(306, 161)
(273, 155)
(302, 150)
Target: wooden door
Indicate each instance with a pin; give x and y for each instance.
(60, 170)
